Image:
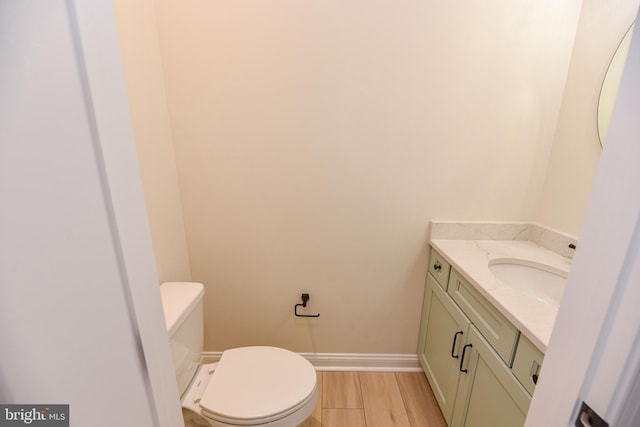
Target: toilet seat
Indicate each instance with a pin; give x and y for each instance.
(258, 386)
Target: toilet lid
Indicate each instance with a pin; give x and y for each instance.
(258, 383)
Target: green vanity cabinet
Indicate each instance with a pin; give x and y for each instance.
(466, 349)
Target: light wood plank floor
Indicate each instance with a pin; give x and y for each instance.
(375, 399)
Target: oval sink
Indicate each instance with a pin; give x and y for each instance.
(540, 281)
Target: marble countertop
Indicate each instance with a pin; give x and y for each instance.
(471, 258)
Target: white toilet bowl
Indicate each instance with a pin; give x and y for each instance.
(249, 386)
(252, 386)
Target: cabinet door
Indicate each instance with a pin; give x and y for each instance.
(488, 394)
(443, 333)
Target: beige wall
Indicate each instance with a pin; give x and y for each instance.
(576, 148)
(315, 140)
(137, 30)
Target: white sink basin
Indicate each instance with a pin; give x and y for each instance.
(540, 281)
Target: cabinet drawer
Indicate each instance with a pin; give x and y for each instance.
(496, 329)
(439, 268)
(527, 363)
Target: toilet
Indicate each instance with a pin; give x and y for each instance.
(249, 386)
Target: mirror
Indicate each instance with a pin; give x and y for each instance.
(610, 85)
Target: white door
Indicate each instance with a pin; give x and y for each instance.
(594, 350)
(80, 314)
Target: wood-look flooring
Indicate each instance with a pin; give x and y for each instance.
(375, 399)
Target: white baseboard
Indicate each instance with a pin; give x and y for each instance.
(349, 361)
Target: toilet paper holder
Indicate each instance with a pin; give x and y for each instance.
(305, 298)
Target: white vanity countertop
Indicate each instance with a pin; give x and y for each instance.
(471, 259)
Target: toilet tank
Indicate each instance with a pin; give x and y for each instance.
(182, 305)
